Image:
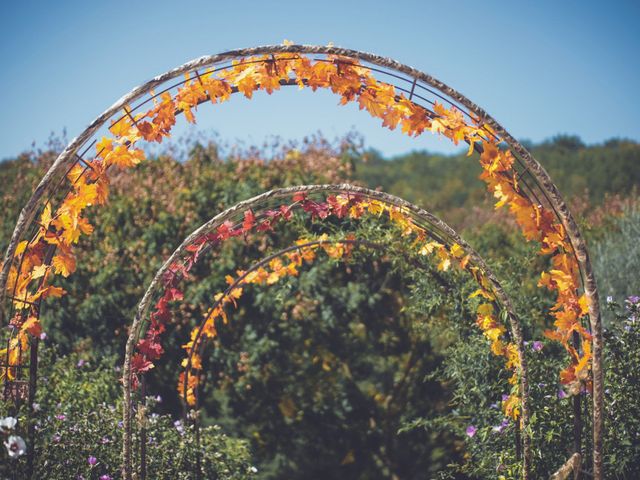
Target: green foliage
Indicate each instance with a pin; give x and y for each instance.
(616, 257)
(340, 373)
(79, 416)
(622, 356)
(321, 374)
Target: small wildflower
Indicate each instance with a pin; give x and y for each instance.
(179, 427)
(105, 477)
(500, 428)
(15, 446)
(43, 336)
(471, 431)
(61, 416)
(7, 424)
(92, 460)
(562, 394)
(537, 346)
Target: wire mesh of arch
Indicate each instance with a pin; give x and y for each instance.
(422, 90)
(435, 229)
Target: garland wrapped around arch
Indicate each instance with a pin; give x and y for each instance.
(428, 235)
(32, 263)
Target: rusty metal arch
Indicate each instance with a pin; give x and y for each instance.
(435, 228)
(414, 79)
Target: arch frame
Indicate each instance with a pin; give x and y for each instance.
(449, 238)
(68, 156)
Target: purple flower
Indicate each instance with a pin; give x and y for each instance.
(105, 440)
(92, 460)
(500, 428)
(61, 417)
(542, 385)
(471, 431)
(105, 477)
(562, 394)
(56, 438)
(80, 363)
(494, 406)
(505, 397)
(43, 336)
(537, 345)
(633, 299)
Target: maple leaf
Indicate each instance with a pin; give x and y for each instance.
(124, 157)
(150, 348)
(456, 250)
(249, 221)
(33, 326)
(368, 101)
(139, 364)
(104, 146)
(218, 90)
(243, 76)
(39, 271)
(584, 305)
(172, 294)
(121, 127)
(445, 260)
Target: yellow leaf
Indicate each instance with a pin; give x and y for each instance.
(456, 250)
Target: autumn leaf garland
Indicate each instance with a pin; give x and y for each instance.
(352, 82)
(340, 206)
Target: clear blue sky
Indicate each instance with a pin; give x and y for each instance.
(540, 67)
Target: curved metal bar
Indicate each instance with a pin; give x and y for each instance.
(448, 237)
(536, 170)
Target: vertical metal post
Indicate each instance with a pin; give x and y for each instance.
(143, 429)
(33, 377)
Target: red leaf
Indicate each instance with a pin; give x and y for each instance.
(151, 348)
(172, 294)
(249, 221)
(299, 197)
(139, 364)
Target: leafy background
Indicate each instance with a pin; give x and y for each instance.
(366, 369)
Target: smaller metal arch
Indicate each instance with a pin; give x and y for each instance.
(445, 234)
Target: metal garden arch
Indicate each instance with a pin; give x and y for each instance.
(422, 90)
(435, 229)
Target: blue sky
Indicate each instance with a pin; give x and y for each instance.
(539, 67)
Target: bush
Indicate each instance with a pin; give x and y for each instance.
(622, 393)
(79, 431)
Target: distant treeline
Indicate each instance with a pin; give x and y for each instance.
(445, 182)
